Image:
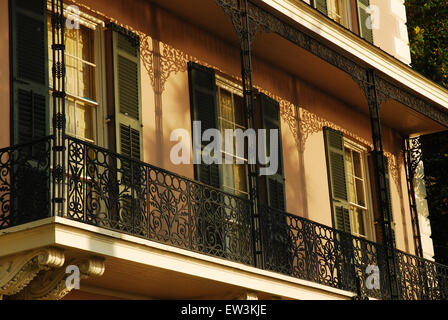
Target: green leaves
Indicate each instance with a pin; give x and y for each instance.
(428, 38)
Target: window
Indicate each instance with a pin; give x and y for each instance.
(352, 14)
(349, 185)
(340, 11)
(218, 103)
(365, 29)
(231, 116)
(358, 191)
(82, 74)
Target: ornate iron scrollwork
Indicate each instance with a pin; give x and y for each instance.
(115, 192)
(413, 158)
(264, 21)
(386, 90)
(111, 191)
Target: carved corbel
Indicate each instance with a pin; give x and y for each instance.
(248, 295)
(52, 284)
(17, 271)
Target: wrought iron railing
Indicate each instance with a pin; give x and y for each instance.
(112, 191)
(25, 183)
(311, 251)
(421, 279)
(109, 190)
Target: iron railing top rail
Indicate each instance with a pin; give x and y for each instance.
(26, 144)
(421, 259)
(320, 225)
(161, 170)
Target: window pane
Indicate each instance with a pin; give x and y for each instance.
(360, 192)
(241, 177)
(86, 47)
(84, 121)
(340, 11)
(70, 114)
(228, 177)
(239, 111)
(87, 82)
(350, 178)
(360, 225)
(357, 164)
(71, 36)
(226, 105)
(71, 75)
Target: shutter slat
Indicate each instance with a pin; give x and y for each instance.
(128, 87)
(127, 45)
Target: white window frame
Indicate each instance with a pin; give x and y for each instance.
(235, 89)
(370, 220)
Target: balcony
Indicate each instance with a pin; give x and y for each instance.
(110, 191)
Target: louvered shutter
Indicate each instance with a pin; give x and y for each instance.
(321, 5)
(127, 95)
(30, 70)
(334, 141)
(204, 109)
(275, 184)
(278, 237)
(363, 16)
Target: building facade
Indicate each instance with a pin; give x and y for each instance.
(101, 97)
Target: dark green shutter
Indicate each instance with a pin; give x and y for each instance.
(275, 184)
(204, 108)
(30, 70)
(321, 5)
(334, 141)
(279, 231)
(127, 95)
(365, 32)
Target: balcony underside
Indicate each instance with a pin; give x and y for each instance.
(320, 63)
(136, 268)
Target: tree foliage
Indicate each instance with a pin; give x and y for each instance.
(435, 159)
(428, 38)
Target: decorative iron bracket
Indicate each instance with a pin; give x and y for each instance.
(413, 157)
